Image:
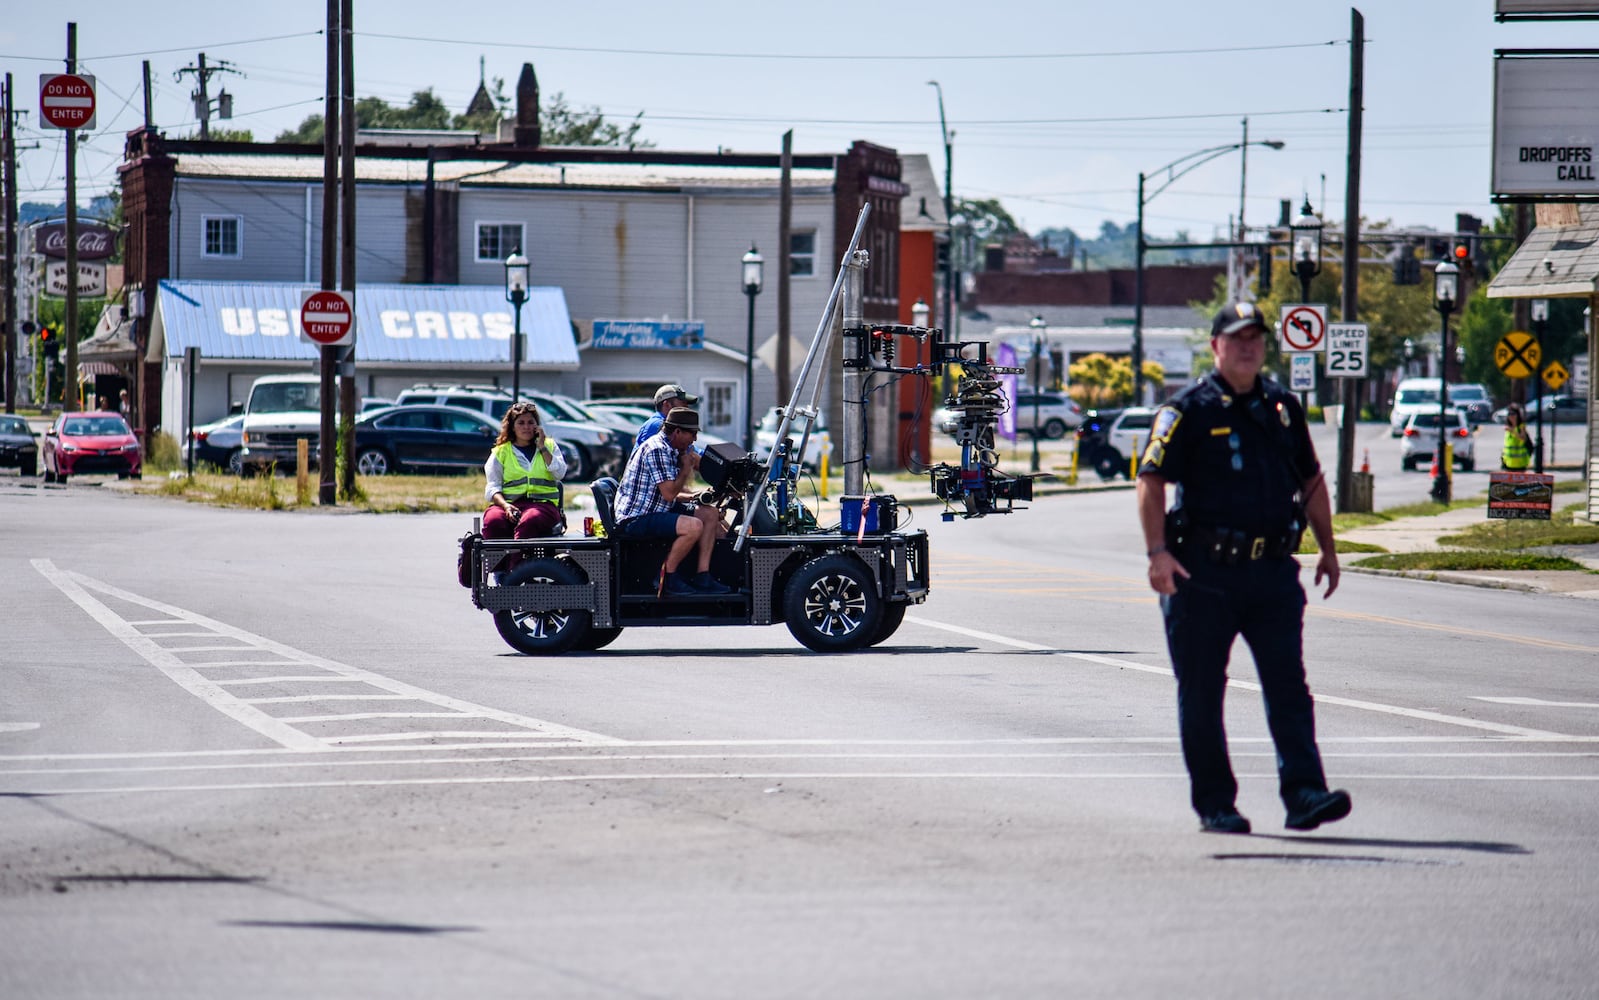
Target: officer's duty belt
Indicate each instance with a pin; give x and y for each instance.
(1230, 546)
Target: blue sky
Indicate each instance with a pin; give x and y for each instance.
(1056, 105)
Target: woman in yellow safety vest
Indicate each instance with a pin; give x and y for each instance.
(1516, 454)
(524, 475)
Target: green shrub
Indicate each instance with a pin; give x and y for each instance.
(164, 454)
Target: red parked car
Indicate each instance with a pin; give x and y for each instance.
(79, 443)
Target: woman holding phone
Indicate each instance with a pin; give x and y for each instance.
(524, 475)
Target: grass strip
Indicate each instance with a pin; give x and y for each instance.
(1469, 561)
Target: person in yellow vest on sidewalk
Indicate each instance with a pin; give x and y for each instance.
(1516, 454)
(524, 481)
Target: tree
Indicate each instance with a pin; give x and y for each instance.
(224, 135)
(977, 222)
(1099, 380)
(564, 125)
(426, 111)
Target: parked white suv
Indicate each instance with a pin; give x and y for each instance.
(1108, 440)
(1420, 439)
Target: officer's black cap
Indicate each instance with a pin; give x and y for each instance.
(1236, 316)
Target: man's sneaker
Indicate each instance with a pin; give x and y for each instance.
(705, 583)
(679, 585)
(1311, 807)
(1225, 821)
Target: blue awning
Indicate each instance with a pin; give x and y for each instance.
(434, 324)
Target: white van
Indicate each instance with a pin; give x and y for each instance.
(280, 410)
(1413, 396)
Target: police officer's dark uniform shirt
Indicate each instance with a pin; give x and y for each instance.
(1239, 461)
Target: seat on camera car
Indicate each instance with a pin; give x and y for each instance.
(604, 490)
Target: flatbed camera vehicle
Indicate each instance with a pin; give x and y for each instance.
(838, 588)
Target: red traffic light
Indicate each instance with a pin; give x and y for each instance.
(1462, 251)
(46, 335)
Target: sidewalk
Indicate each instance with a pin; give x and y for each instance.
(1421, 534)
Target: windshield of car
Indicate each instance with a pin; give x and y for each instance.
(286, 397)
(1413, 397)
(94, 426)
(1468, 393)
(13, 425)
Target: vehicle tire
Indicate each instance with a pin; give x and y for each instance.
(543, 633)
(374, 462)
(61, 477)
(1407, 464)
(1109, 463)
(831, 604)
(49, 476)
(30, 468)
(579, 467)
(893, 615)
(236, 462)
(1468, 465)
(1055, 428)
(598, 638)
(123, 475)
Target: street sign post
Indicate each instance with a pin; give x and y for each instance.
(66, 100)
(1302, 373)
(1303, 328)
(1346, 350)
(1517, 354)
(327, 319)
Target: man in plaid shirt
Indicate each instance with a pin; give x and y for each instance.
(653, 502)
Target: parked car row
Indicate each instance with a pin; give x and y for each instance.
(1559, 409)
(1419, 395)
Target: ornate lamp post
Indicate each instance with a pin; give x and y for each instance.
(1446, 289)
(1307, 248)
(516, 268)
(1039, 327)
(754, 266)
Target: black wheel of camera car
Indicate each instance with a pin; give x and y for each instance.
(831, 604)
(598, 638)
(543, 633)
(893, 615)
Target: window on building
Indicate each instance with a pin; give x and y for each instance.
(221, 236)
(802, 254)
(498, 240)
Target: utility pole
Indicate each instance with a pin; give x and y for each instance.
(9, 151)
(202, 74)
(1351, 291)
(327, 492)
(347, 240)
(69, 379)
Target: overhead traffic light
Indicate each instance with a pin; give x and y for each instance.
(49, 342)
(1407, 268)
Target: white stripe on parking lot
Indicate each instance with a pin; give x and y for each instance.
(1321, 699)
(284, 731)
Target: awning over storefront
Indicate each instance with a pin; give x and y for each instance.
(397, 324)
(1554, 261)
(110, 349)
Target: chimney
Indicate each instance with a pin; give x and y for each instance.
(527, 109)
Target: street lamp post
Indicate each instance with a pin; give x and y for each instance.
(516, 268)
(1446, 289)
(947, 319)
(1199, 158)
(1307, 248)
(753, 267)
(1039, 326)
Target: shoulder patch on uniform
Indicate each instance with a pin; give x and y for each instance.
(1282, 414)
(1166, 420)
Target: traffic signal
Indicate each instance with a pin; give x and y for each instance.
(1461, 252)
(1407, 269)
(1263, 280)
(49, 342)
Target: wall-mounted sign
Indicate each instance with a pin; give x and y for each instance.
(95, 242)
(91, 279)
(1546, 126)
(649, 335)
(1513, 9)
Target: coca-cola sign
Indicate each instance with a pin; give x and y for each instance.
(95, 242)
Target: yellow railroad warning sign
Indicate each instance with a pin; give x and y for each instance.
(1556, 375)
(1517, 354)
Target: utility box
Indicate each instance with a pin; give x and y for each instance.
(1360, 490)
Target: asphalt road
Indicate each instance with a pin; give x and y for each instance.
(265, 755)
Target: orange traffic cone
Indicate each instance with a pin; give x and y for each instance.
(1365, 461)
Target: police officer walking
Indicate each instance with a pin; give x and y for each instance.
(1237, 448)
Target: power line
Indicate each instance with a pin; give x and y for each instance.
(158, 52)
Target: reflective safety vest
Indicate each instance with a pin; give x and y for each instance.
(522, 480)
(1517, 451)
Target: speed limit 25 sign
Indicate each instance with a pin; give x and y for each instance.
(1346, 350)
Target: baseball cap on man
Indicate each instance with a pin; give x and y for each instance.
(1237, 316)
(674, 391)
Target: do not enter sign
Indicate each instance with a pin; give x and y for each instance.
(66, 100)
(327, 318)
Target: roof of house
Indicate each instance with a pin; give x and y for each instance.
(1555, 260)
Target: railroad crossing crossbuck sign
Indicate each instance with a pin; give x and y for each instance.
(327, 318)
(1303, 328)
(66, 100)
(1555, 375)
(1517, 354)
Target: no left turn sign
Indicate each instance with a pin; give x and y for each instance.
(327, 318)
(1303, 328)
